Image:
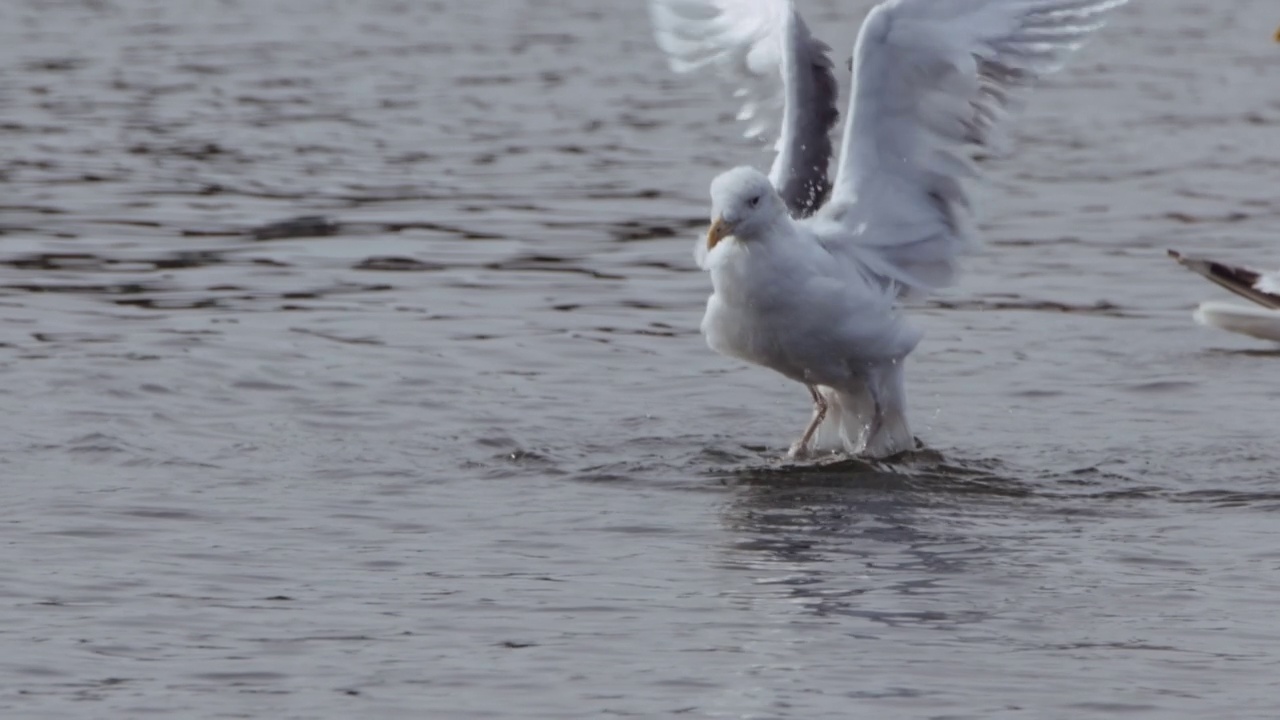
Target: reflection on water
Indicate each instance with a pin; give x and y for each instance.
(846, 537)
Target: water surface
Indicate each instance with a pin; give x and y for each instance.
(451, 446)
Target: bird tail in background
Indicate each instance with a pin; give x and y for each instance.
(870, 420)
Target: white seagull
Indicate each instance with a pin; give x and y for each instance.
(1262, 288)
(808, 275)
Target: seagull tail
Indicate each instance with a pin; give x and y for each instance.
(870, 420)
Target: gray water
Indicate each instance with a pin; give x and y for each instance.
(453, 448)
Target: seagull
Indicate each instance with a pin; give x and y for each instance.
(1262, 288)
(809, 274)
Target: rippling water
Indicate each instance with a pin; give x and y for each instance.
(351, 367)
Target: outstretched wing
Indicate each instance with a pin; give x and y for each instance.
(933, 80)
(782, 74)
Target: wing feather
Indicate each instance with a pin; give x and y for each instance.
(1262, 288)
(783, 77)
(933, 81)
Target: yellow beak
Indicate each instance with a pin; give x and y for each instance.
(719, 231)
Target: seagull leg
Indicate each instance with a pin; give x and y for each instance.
(801, 447)
(873, 426)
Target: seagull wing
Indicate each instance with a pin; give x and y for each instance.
(1262, 288)
(781, 73)
(933, 81)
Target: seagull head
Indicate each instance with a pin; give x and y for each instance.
(744, 204)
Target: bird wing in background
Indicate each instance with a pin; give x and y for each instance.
(1262, 288)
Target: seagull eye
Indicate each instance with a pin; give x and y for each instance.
(753, 201)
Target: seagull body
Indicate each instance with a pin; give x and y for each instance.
(783, 300)
(808, 274)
